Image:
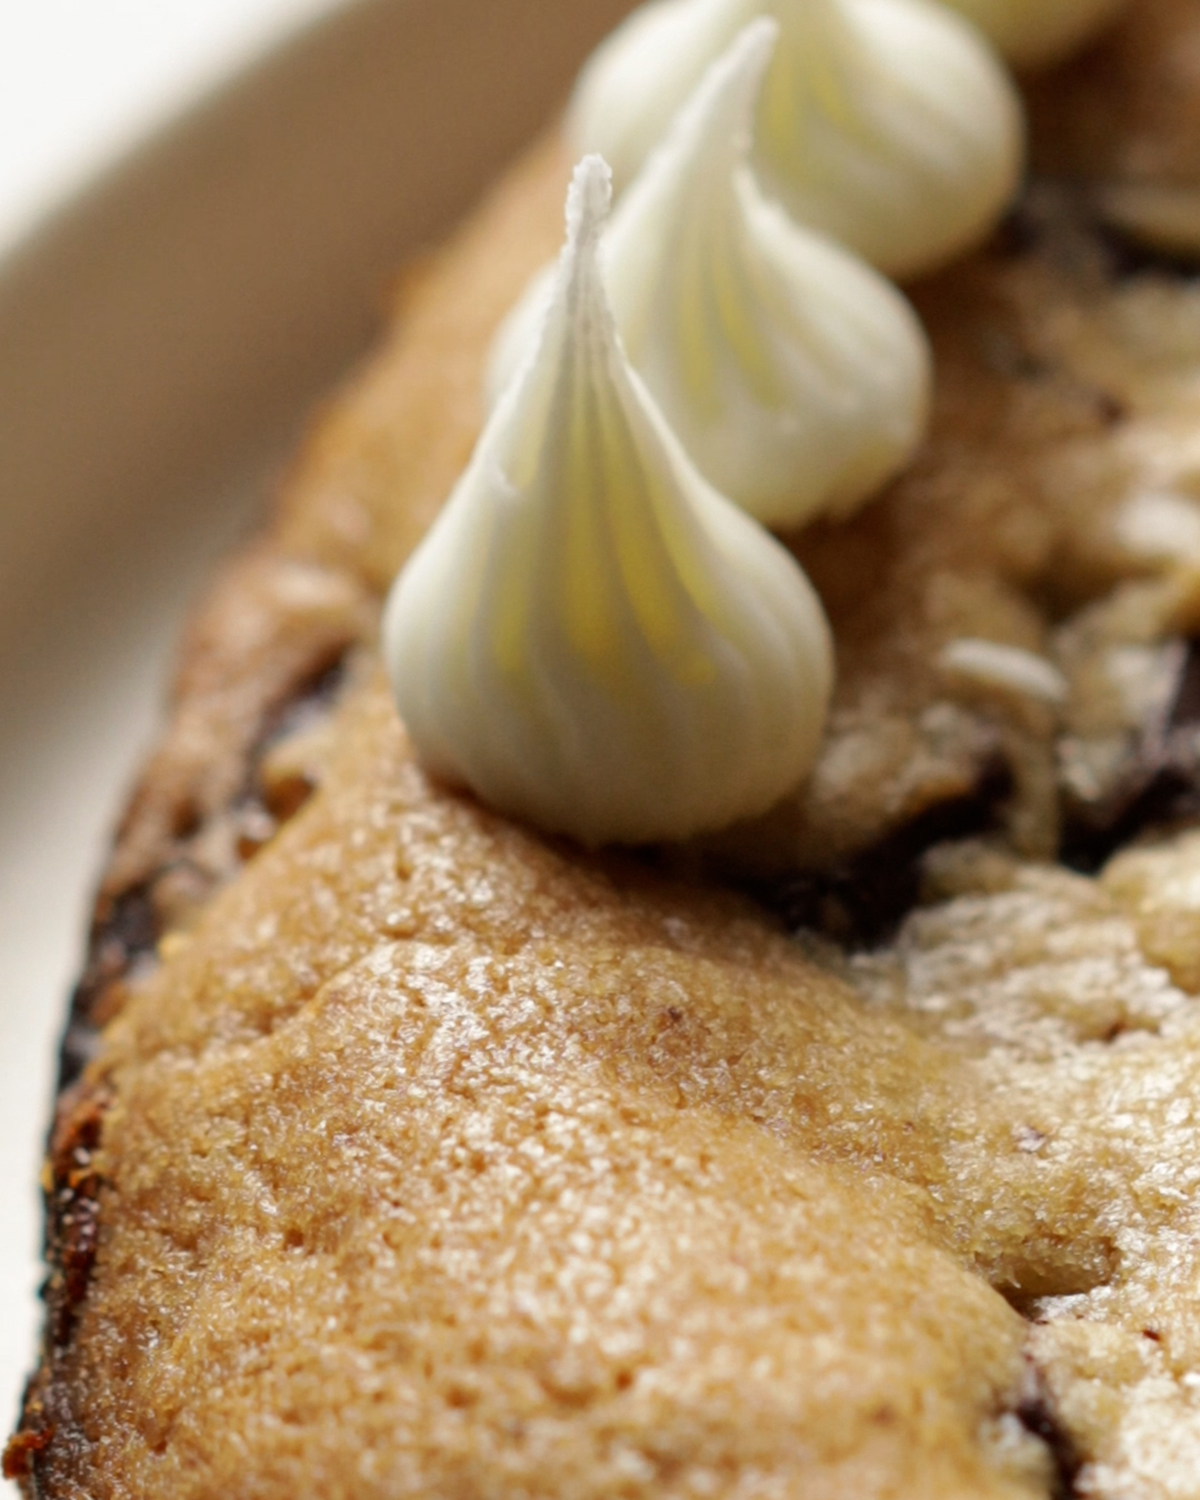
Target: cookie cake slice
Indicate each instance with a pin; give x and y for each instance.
(406, 1149)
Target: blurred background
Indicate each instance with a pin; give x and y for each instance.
(80, 80)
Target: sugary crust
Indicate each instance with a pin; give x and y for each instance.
(419, 1156)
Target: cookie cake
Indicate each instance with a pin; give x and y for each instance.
(733, 1032)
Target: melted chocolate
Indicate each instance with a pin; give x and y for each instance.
(1037, 1418)
(1129, 258)
(126, 928)
(1159, 787)
(859, 904)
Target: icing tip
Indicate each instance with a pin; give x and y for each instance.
(589, 199)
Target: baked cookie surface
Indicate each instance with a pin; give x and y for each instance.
(407, 1153)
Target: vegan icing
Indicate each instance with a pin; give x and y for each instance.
(591, 638)
(889, 125)
(796, 377)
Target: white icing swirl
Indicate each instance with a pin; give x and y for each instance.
(590, 637)
(886, 124)
(1032, 33)
(795, 376)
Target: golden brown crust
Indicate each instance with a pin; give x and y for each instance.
(526, 1054)
(426, 1157)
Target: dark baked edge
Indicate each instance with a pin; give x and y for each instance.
(254, 706)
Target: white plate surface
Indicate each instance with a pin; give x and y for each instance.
(81, 81)
(160, 341)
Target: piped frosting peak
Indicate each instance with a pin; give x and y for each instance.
(888, 125)
(796, 377)
(591, 638)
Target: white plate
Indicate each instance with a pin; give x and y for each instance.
(159, 343)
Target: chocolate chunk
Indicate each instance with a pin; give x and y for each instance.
(1035, 1415)
(1128, 257)
(309, 701)
(126, 928)
(1160, 782)
(859, 904)
(1185, 711)
(262, 809)
(1062, 219)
